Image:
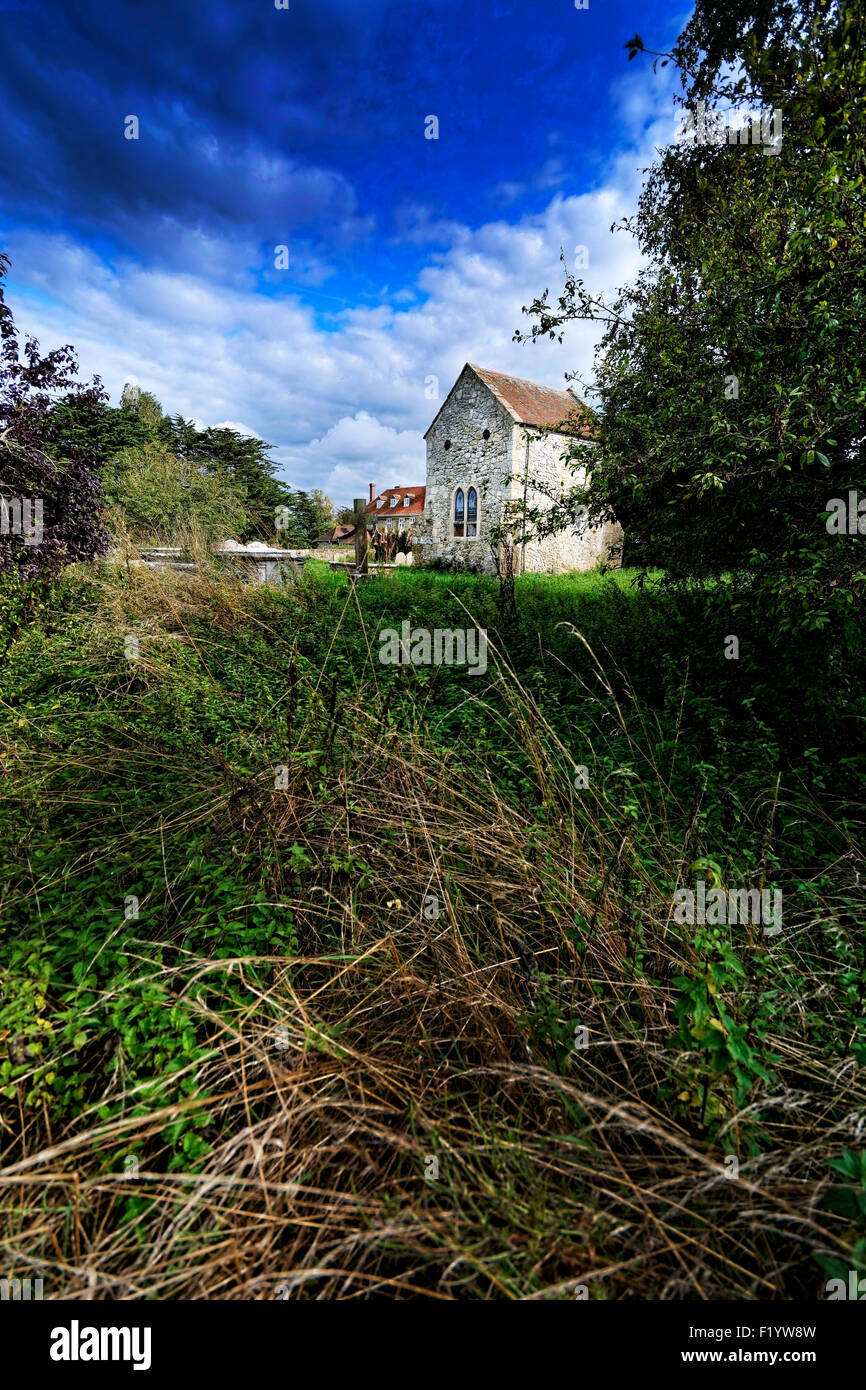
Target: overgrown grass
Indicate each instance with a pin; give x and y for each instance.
(298, 949)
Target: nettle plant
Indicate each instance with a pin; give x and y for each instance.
(722, 1053)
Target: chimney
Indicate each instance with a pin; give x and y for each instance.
(372, 492)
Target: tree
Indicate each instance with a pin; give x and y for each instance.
(166, 499)
(242, 459)
(62, 489)
(98, 430)
(308, 515)
(323, 515)
(115, 436)
(141, 404)
(730, 376)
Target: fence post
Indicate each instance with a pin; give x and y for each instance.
(361, 537)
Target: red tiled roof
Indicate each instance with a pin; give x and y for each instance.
(337, 535)
(532, 404)
(415, 507)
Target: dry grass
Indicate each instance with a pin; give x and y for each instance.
(399, 1111)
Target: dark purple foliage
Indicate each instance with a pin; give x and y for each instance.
(69, 487)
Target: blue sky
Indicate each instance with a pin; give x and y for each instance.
(305, 128)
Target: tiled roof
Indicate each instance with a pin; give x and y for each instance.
(531, 404)
(336, 535)
(415, 507)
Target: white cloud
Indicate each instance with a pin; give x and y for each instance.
(344, 403)
(235, 425)
(356, 451)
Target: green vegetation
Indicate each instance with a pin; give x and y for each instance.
(325, 978)
(284, 929)
(730, 379)
(166, 480)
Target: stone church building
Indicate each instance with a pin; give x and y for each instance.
(485, 448)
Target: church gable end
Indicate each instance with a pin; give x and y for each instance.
(469, 451)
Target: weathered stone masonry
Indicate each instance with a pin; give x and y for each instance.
(486, 436)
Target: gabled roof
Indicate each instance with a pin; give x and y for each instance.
(415, 507)
(529, 403)
(337, 535)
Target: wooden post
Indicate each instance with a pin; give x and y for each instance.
(361, 537)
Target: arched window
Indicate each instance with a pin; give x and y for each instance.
(472, 512)
(458, 513)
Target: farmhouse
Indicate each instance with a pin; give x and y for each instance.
(395, 509)
(493, 439)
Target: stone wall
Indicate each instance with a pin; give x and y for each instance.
(580, 549)
(333, 553)
(471, 461)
